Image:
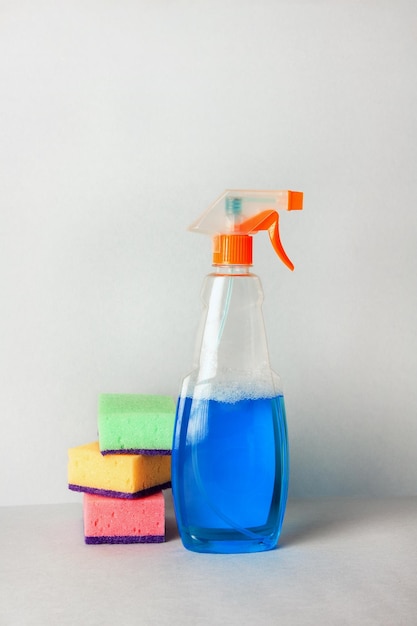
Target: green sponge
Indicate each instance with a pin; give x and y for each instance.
(135, 424)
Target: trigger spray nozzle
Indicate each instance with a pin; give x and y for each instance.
(237, 215)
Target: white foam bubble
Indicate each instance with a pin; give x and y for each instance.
(231, 389)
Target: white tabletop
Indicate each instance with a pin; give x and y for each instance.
(340, 561)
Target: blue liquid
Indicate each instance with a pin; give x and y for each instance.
(230, 473)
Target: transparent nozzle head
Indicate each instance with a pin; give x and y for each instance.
(229, 212)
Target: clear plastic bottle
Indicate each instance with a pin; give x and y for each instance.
(230, 448)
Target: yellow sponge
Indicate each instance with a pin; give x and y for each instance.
(123, 476)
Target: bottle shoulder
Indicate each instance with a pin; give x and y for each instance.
(235, 288)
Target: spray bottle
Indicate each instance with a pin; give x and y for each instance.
(230, 447)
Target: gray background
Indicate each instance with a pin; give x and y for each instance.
(120, 122)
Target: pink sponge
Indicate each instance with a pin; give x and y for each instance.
(117, 520)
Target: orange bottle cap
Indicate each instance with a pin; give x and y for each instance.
(232, 250)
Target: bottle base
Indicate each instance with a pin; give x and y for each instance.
(219, 541)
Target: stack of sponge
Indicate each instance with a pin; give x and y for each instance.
(122, 475)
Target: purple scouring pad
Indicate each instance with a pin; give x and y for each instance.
(120, 494)
(125, 539)
(138, 451)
